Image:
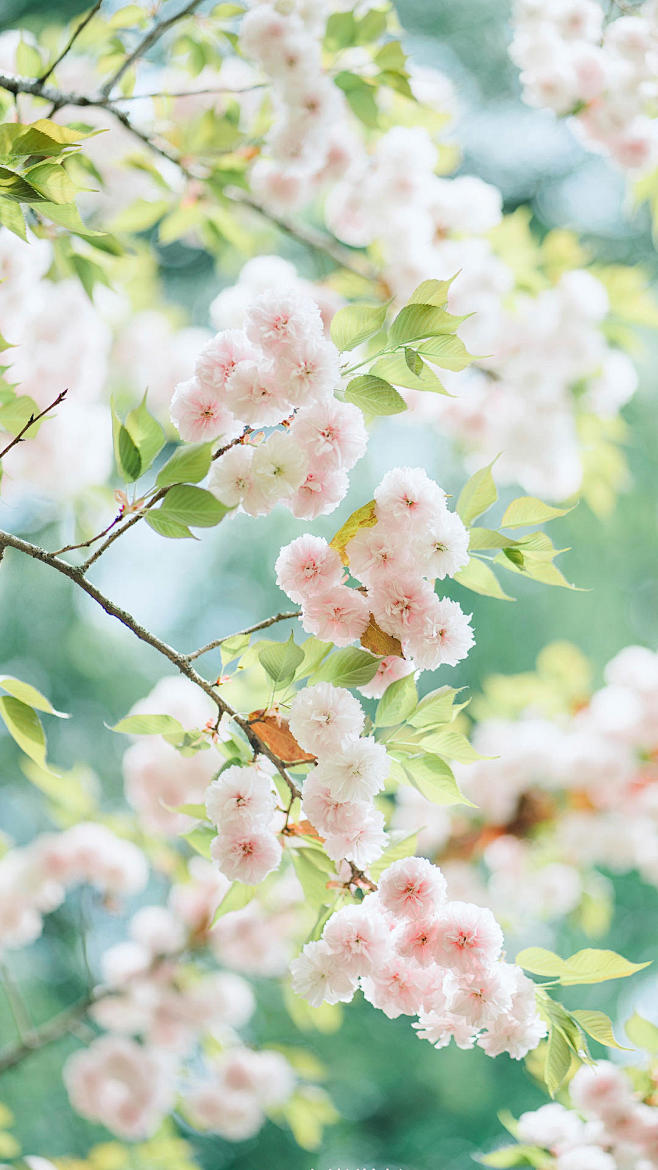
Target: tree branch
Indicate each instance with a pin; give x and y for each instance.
(53, 1030)
(71, 41)
(155, 499)
(154, 34)
(180, 661)
(311, 237)
(31, 421)
(270, 621)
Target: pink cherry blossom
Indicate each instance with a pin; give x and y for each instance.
(319, 978)
(358, 939)
(333, 433)
(200, 415)
(323, 717)
(321, 492)
(246, 854)
(240, 796)
(469, 938)
(307, 565)
(412, 888)
(340, 615)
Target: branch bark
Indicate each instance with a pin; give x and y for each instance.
(270, 621)
(158, 30)
(31, 421)
(53, 1030)
(180, 661)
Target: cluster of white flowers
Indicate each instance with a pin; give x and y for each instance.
(414, 953)
(604, 75)
(351, 769)
(309, 141)
(279, 369)
(34, 879)
(574, 774)
(156, 1010)
(241, 803)
(609, 1128)
(414, 541)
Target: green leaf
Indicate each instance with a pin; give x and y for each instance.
(477, 495)
(397, 702)
(281, 660)
(539, 961)
(509, 1156)
(146, 434)
(355, 323)
(52, 181)
(414, 361)
(16, 413)
(360, 97)
(434, 779)
(642, 1033)
(347, 668)
(415, 322)
(431, 292)
(529, 510)
(598, 1026)
(448, 352)
(13, 186)
(192, 505)
(558, 1061)
(236, 898)
(312, 876)
(201, 839)
(24, 726)
(481, 538)
(140, 215)
(454, 745)
(29, 695)
(478, 577)
(595, 966)
(340, 31)
(436, 707)
(374, 396)
(395, 368)
(164, 526)
(188, 464)
(401, 846)
(149, 725)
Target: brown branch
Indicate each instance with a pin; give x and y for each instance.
(154, 34)
(92, 539)
(71, 41)
(278, 617)
(31, 421)
(184, 93)
(178, 660)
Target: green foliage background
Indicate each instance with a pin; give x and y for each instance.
(403, 1104)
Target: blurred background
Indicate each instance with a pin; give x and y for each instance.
(402, 1104)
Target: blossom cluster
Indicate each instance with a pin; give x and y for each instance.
(414, 541)
(603, 76)
(573, 774)
(608, 1128)
(155, 1010)
(308, 142)
(412, 952)
(280, 369)
(338, 794)
(35, 878)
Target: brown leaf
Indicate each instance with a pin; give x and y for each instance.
(379, 643)
(274, 732)
(365, 517)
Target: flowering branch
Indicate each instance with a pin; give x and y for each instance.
(180, 661)
(270, 621)
(31, 421)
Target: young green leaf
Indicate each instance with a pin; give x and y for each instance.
(280, 660)
(397, 702)
(188, 464)
(355, 323)
(236, 898)
(478, 577)
(149, 725)
(598, 1026)
(146, 433)
(642, 1033)
(24, 726)
(374, 396)
(347, 668)
(29, 695)
(193, 506)
(477, 495)
(528, 510)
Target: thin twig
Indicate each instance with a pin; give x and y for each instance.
(270, 621)
(92, 539)
(31, 421)
(15, 1001)
(53, 1030)
(71, 41)
(184, 93)
(146, 43)
(179, 660)
(154, 499)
